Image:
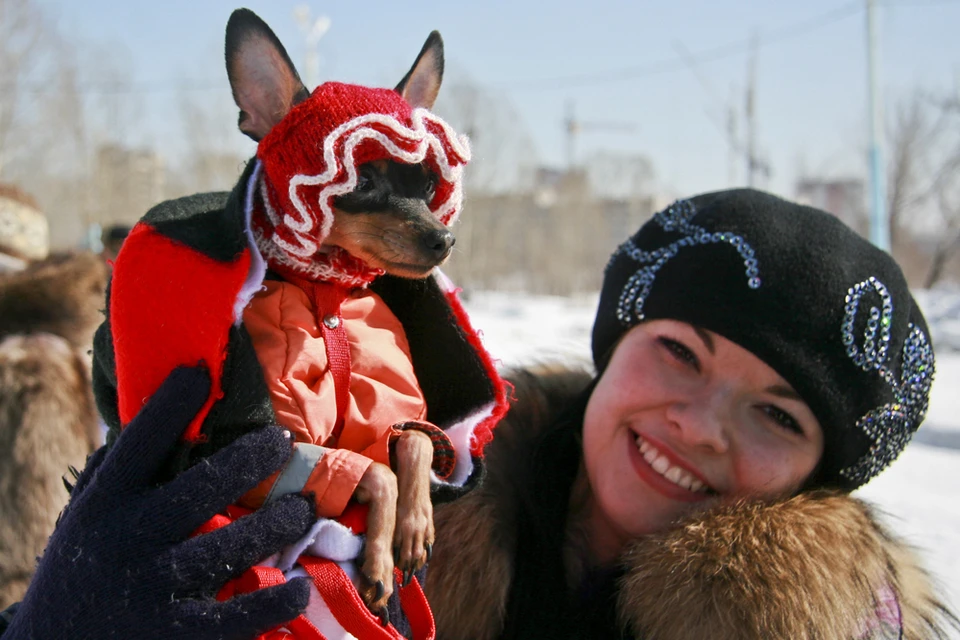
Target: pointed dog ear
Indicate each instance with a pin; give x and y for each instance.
(264, 81)
(422, 83)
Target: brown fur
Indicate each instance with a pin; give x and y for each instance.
(471, 568)
(47, 417)
(804, 568)
(63, 295)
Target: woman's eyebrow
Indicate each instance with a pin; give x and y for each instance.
(707, 340)
(784, 392)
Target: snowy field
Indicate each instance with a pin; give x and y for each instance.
(918, 492)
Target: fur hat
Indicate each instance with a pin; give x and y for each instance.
(354, 125)
(823, 307)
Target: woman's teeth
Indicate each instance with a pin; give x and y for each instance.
(662, 466)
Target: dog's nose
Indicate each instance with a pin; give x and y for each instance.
(438, 242)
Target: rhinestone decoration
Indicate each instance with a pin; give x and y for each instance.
(675, 218)
(891, 426)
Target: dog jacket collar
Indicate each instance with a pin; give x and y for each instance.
(354, 125)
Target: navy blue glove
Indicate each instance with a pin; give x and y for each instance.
(121, 562)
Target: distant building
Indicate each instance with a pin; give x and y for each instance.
(128, 183)
(554, 239)
(844, 198)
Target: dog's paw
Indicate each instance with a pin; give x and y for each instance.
(377, 570)
(414, 536)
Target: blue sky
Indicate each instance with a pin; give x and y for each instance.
(811, 87)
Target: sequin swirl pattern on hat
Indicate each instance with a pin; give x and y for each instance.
(891, 426)
(675, 218)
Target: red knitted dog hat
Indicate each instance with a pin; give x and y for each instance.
(313, 154)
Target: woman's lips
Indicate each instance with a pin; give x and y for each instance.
(654, 464)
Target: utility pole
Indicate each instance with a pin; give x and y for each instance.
(574, 128)
(732, 147)
(750, 113)
(312, 30)
(879, 221)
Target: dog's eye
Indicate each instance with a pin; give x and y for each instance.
(364, 183)
(431, 189)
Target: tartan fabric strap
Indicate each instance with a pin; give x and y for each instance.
(444, 455)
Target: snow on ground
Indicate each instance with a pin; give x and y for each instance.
(918, 492)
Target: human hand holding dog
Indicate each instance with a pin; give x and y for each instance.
(122, 561)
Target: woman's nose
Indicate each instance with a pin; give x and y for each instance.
(703, 420)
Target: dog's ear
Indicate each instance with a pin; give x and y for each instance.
(264, 81)
(422, 83)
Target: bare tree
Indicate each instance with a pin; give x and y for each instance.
(923, 193)
(213, 152)
(504, 155)
(43, 132)
(24, 47)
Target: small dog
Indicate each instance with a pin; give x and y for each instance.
(387, 223)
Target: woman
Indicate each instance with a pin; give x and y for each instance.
(757, 361)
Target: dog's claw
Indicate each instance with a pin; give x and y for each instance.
(384, 617)
(429, 548)
(380, 590)
(407, 577)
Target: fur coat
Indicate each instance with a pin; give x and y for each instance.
(48, 423)
(816, 566)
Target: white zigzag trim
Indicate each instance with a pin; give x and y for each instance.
(306, 249)
(418, 133)
(310, 270)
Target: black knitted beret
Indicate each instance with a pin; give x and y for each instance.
(823, 307)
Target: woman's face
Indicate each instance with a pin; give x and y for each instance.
(681, 418)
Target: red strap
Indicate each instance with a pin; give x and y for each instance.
(327, 298)
(417, 609)
(340, 595)
(303, 629)
(255, 578)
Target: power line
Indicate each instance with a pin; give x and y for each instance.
(678, 63)
(675, 63)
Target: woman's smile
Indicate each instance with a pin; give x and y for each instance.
(660, 468)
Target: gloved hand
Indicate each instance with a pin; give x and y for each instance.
(121, 562)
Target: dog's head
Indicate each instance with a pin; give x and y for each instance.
(368, 171)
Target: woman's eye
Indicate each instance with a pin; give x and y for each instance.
(680, 351)
(782, 418)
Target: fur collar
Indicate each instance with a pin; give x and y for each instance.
(62, 295)
(814, 566)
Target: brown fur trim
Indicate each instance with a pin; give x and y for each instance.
(470, 570)
(47, 423)
(472, 564)
(62, 295)
(804, 568)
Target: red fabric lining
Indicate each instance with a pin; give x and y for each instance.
(483, 432)
(170, 305)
